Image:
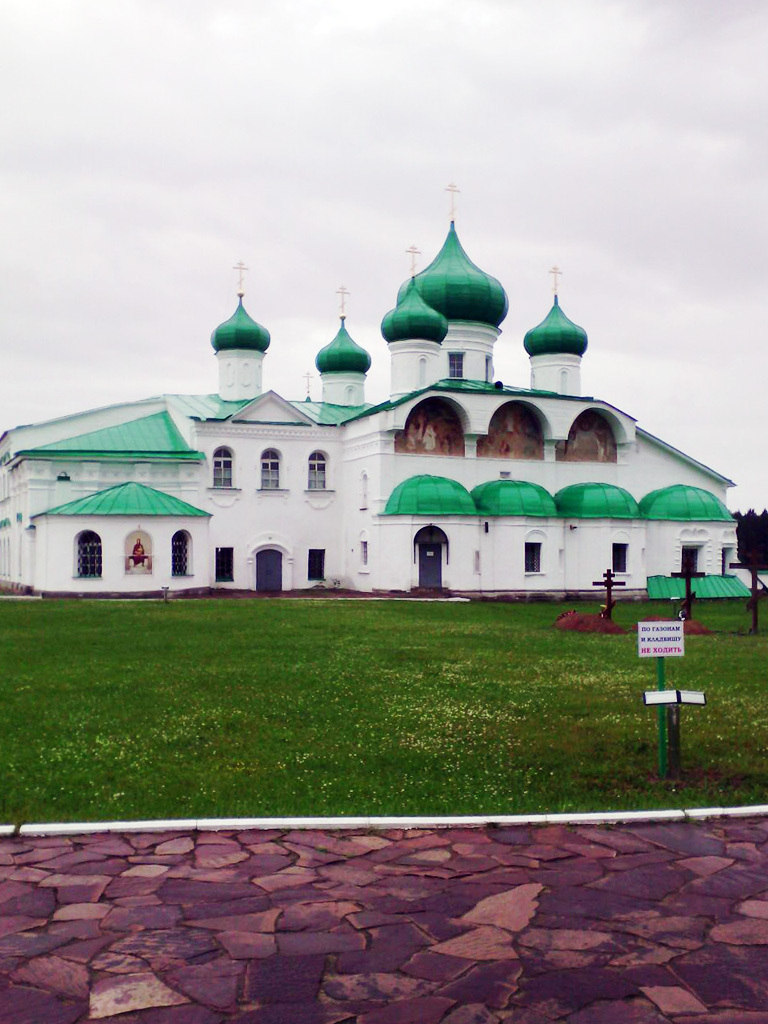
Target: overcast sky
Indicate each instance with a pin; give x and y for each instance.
(147, 146)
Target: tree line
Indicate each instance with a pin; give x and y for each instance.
(752, 535)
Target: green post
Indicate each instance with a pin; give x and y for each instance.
(662, 718)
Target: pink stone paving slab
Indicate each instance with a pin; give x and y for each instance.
(638, 924)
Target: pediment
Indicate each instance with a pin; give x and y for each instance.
(271, 408)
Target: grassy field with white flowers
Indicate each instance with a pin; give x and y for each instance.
(115, 710)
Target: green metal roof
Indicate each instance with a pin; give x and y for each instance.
(513, 498)
(556, 334)
(129, 499)
(153, 436)
(596, 501)
(684, 503)
(412, 318)
(207, 407)
(430, 496)
(327, 415)
(671, 589)
(343, 355)
(454, 286)
(240, 332)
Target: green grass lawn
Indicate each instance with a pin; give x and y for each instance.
(275, 707)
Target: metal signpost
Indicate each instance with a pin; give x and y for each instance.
(661, 640)
(608, 581)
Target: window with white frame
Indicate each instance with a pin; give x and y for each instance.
(456, 365)
(180, 554)
(317, 475)
(364, 552)
(270, 470)
(222, 467)
(88, 554)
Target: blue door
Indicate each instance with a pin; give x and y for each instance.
(269, 570)
(430, 565)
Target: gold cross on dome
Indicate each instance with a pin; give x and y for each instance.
(413, 252)
(240, 268)
(454, 192)
(555, 272)
(342, 291)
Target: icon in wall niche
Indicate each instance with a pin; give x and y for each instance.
(138, 553)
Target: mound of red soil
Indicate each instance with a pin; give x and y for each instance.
(582, 623)
(692, 627)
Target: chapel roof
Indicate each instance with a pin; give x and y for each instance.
(126, 499)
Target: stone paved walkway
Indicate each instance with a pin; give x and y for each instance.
(586, 925)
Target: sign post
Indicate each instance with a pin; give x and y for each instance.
(661, 640)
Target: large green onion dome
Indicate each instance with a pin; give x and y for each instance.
(412, 318)
(430, 496)
(343, 355)
(458, 289)
(240, 332)
(596, 501)
(686, 503)
(556, 334)
(513, 498)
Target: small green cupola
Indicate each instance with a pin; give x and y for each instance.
(458, 289)
(240, 333)
(343, 355)
(413, 320)
(556, 335)
(343, 365)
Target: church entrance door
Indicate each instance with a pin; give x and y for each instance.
(269, 570)
(430, 565)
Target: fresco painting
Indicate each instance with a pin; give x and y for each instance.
(513, 433)
(432, 428)
(138, 553)
(590, 439)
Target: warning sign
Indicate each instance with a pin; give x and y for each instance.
(660, 639)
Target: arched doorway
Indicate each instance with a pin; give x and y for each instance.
(269, 570)
(429, 543)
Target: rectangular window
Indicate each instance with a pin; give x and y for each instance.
(690, 559)
(316, 564)
(364, 552)
(619, 560)
(488, 369)
(456, 365)
(225, 563)
(533, 557)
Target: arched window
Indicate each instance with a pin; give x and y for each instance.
(270, 470)
(180, 561)
(316, 479)
(89, 554)
(222, 467)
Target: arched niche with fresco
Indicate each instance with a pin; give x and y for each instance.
(433, 427)
(590, 439)
(513, 433)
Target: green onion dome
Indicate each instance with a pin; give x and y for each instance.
(513, 498)
(240, 332)
(682, 502)
(556, 335)
(343, 355)
(596, 501)
(430, 496)
(458, 289)
(412, 318)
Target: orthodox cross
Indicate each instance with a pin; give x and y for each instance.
(240, 268)
(342, 291)
(454, 192)
(413, 252)
(687, 573)
(608, 581)
(308, 378)
(555, 272)
(752, 565)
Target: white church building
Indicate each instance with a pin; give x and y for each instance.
(455, 482)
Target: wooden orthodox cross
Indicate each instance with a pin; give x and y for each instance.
(608, 581)
(687, 573)
(751, 564)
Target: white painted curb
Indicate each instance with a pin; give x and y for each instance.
(326, 824)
